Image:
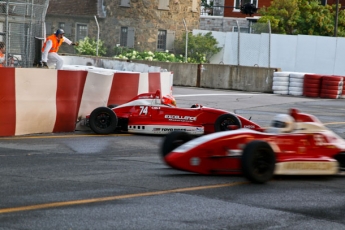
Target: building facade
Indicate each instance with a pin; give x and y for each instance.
(145, 25)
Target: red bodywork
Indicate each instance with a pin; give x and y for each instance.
(309, 149)
(146, 114)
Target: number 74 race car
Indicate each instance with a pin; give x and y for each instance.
(295, 144)
(150, 113)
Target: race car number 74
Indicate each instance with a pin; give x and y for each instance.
(143, 110)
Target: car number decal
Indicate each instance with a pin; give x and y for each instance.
(143, 110)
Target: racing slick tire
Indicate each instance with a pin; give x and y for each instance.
(341, 160)
(174, 140)
(223, 121)
(258, 162)
(103, 120)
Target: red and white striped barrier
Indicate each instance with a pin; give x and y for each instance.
(46, 100)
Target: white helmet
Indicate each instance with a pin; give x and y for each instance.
(283, 123)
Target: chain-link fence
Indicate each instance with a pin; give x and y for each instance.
(20, 22)
(253, 44)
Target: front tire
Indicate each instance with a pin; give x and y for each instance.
(174, 140)
(258, 162)
(225, 120)
(103, 120)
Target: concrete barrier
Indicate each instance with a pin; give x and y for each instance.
(217, 76)
(36, 100)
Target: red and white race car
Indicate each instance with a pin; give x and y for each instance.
(150, 113)
(295, 144)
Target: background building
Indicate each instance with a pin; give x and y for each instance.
(148, 25)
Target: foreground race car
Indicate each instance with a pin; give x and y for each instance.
(295, 144)
(150, 113)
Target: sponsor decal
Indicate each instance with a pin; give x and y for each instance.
(308, 166)
(156, 107)
(180, 118)
(280, 141)
(172, 129)
(156, 129)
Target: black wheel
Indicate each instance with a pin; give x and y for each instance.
(225, 120)
(174, 140)
(341, 160)
(258, 162)
(103, 120)
(112, 106)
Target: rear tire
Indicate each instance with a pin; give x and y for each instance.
(258, 162)
(174, 140)
(103, 120)
(224, 120)
(341, 160)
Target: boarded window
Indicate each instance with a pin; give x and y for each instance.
(125, 3)
(170, 40)
(163, 5)
(130, 37)
(195, 6)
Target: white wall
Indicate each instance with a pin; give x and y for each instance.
(293, 53)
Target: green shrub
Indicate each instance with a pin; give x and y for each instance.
(89, 47)
(200, 49)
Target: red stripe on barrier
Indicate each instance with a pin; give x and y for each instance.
(7, 102)
(125, 86)
(70, 87)
(154, 82)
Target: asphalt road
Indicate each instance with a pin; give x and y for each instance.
(85, 181)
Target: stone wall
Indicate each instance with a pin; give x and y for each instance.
(222, 24)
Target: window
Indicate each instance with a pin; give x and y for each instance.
(163, 5)
(125, 3)
(242, 29)
(61, 25)
(124, 34)
(166, 39)
(237, 3)
(127, 37)
(66, 27)
(162, 39)
(81, 32)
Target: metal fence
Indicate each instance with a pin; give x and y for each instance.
(20, 22)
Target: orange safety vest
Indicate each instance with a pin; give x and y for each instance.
(1, 55)
(56, 45)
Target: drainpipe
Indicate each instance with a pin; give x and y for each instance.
(185, 26)
(97, 35)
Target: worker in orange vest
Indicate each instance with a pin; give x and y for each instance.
(2, 54)
(51, 47)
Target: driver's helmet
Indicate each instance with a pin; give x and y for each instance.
(169, 100)
(283, 123)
